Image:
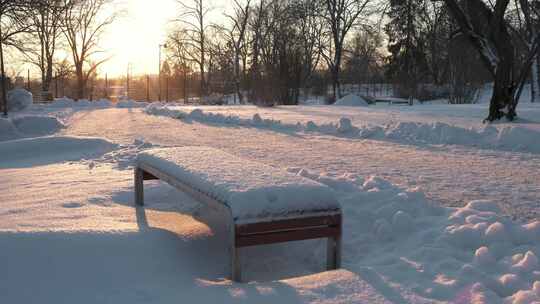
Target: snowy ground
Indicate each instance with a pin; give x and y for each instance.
(70, 233)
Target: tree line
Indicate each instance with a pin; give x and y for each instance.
(39, 29)
(270, 51)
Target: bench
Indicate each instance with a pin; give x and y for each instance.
(262, 204)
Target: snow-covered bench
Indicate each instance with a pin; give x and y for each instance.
(262, 204)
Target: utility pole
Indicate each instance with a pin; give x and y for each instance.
(127, 82)
(148, 88)
(159, 70)
(56, 86)
(4, 92)
(106, 86)
(167, 88)
(185, 85)
(28, 80)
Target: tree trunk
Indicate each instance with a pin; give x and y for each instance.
(503, 102)
(535, 84)
(496, 49)
(80, 83)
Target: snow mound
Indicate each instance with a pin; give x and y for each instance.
(508, 138)
(442, 253)
(47, 150)
(351, 100)
(8, 130)
(128, 104)
(65, 102)
(19, 99)
(37, 125)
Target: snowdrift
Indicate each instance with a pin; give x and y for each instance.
(441, 253)
(32, 126)
(131, 104)
(28, 126)
(8, 130)
(19, 99)
(46, 150)
(351, 100)
(65, 102)
(508, 138)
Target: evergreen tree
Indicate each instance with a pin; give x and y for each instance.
(406, 63)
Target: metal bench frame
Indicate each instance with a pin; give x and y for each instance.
(327, 226)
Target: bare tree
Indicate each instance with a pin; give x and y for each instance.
(178, 55)
(13, 22)
(237, 37)
(45, 21)
(340, 16)
(193, 17)
(82, 27)
(526, 13)
(490, 34)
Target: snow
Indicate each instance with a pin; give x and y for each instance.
(7, 130)
(40, 150)
(19, 99)
(66, 102)
(351, 100)
(506, 137)
(28, 126)
(37, 125)
(423, 222)
(131, 104)
(252, 191)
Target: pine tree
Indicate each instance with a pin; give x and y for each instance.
(407, 59)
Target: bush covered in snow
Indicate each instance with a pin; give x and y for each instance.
(19, 99)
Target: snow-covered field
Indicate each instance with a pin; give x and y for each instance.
(438, 208)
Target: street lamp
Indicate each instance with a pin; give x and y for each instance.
(159, 70)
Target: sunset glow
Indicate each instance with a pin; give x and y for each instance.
(135, 36)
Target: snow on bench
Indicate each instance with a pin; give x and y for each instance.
(263, 204)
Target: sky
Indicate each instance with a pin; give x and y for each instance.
(134, 38)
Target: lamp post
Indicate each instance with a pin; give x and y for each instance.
(159, 70)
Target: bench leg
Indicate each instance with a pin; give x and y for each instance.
(236, 273)
(333, 253)
(139, 187)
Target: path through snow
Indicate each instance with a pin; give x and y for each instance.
(450, 175)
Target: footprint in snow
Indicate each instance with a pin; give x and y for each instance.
(72, 205)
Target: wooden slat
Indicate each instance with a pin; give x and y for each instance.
(286, 236)
(289, 224)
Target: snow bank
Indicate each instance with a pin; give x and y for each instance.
(251, 190)
(8, 130)
(444, 254)
(351, 100)
(46, 150)
(65, 102)
(131, 104)
(37, 125)
(513, 138)
(28, 126)
(19, 99)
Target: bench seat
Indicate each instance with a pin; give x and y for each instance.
(263, 204)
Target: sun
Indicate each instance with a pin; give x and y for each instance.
(133, 38)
